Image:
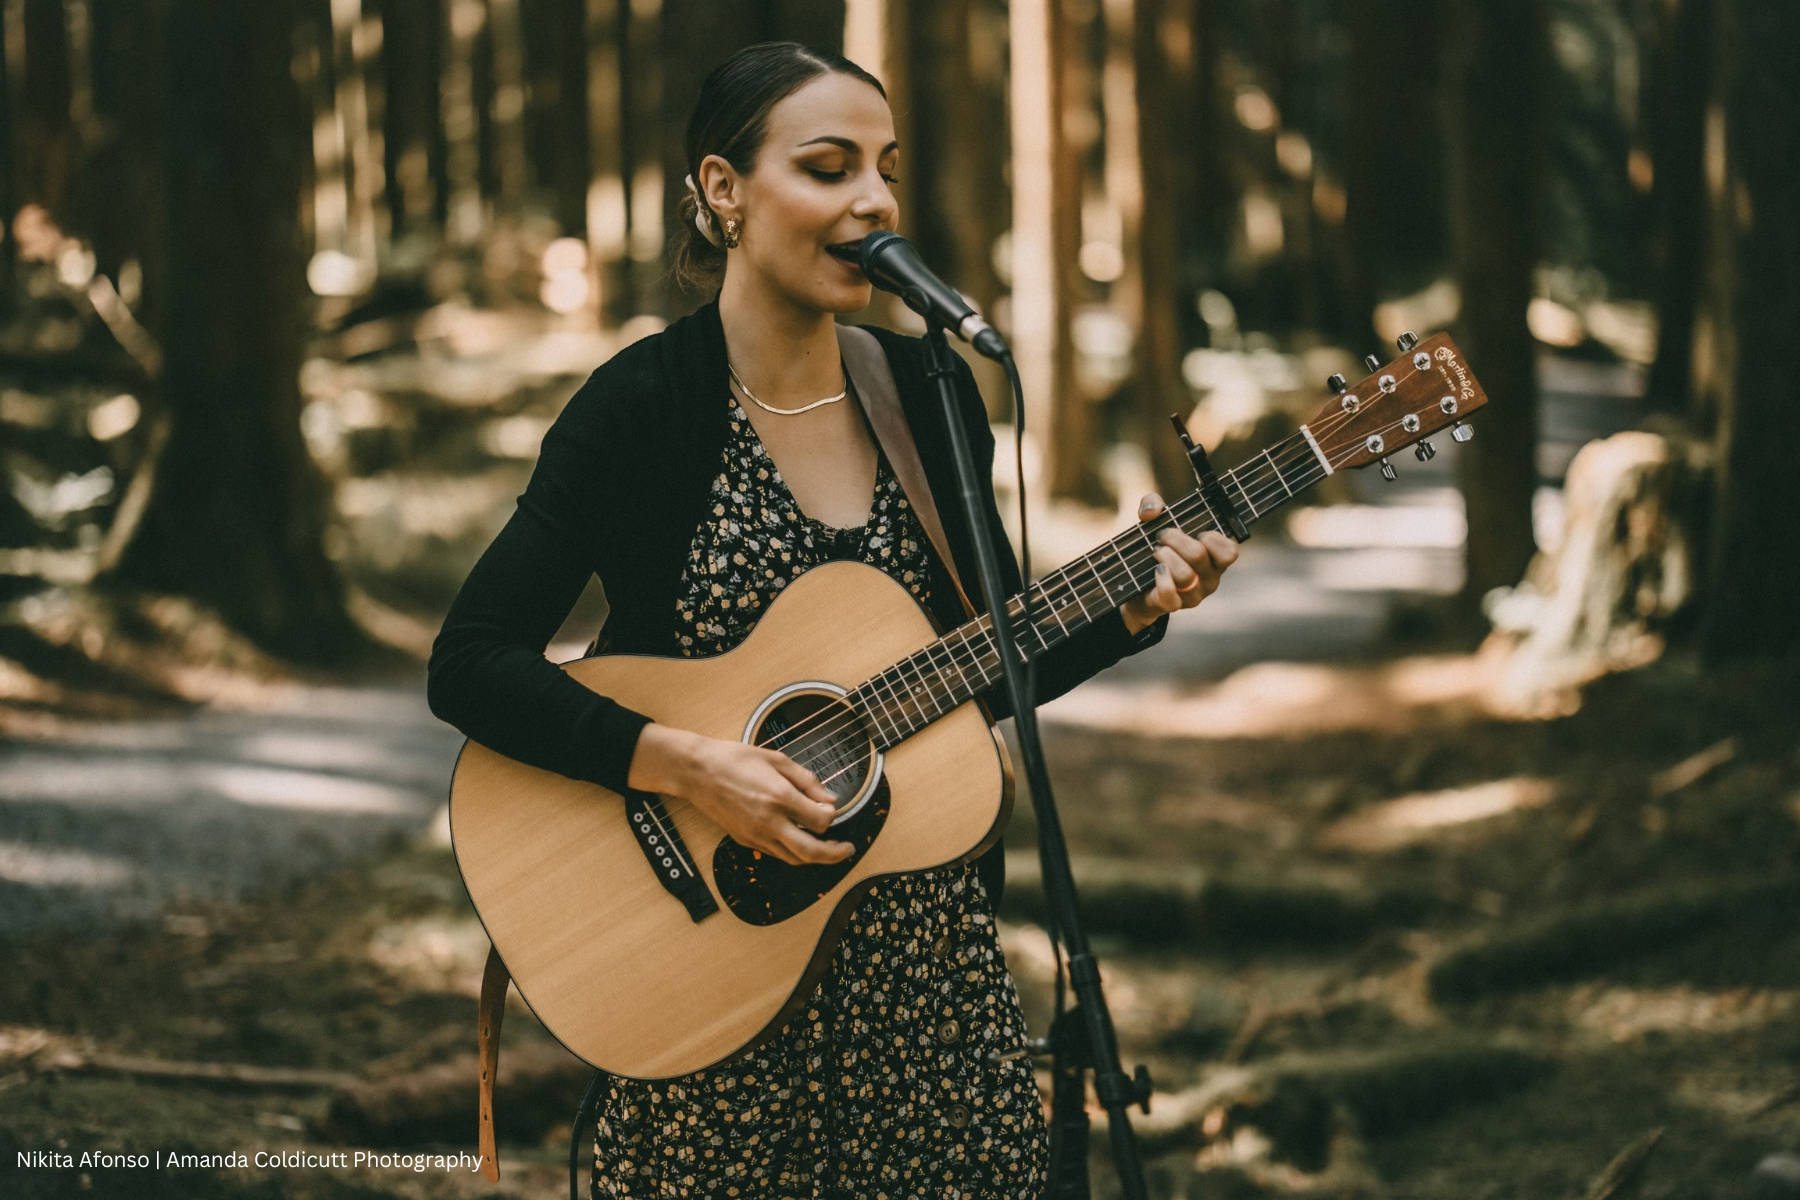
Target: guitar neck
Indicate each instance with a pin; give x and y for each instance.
(917, 690)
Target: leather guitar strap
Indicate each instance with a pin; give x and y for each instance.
(873, 380)
(494, 979)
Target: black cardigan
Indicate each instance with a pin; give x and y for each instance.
(619, 489)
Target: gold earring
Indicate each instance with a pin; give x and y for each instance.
(732, 225)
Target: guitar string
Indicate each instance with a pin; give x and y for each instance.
(1194, 503)
(1298, 453)
(943, 646)
(850, 721)
(1191, 504)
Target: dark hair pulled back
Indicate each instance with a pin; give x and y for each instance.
(730, 119)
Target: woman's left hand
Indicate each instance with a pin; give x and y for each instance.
(1187, 569)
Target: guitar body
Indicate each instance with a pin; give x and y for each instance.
(613, 964)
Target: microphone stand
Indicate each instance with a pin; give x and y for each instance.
(1073, 1054)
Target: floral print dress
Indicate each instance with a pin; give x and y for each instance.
(883, 1086)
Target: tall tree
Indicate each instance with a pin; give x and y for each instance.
(412, 61)
(120, 193)
(237, 515)
(556, 70)
(1494, 85)
(9, 184)
(1679, 87)
(952, 154)
(1175, 148)
(46, 134)
(698, 35)
(1393, 152)
(1754, 574)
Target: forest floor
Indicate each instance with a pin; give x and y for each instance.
(1371, 939)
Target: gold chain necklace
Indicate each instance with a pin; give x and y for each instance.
(787, 412)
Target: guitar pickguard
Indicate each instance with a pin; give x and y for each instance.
(762, 890)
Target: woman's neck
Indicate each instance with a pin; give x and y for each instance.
(786, 354)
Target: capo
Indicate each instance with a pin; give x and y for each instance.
(1211, 490)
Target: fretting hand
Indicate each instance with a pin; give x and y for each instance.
(1187, 569)
(760, 797)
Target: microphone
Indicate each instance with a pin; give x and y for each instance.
(893, 264)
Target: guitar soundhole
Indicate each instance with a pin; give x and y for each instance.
(822, 733)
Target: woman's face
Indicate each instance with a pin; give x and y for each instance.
(822, 180)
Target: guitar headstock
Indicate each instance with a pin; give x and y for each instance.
(1428, 388)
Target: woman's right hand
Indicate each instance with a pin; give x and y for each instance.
(760, 797)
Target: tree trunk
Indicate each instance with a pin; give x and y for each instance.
(237, 518)
(413, 141)
(1494, 88)
(1394, 214)
(1751, 606)
(506, 104)
(556, 62)
(1681, 74)
(121, 192)
(46, 135)
(9, 181)
(1169, 123)
(952, 151)
(698, 35)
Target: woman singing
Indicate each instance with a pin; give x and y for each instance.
(697, 474)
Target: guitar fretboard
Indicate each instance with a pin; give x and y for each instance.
(917, 690)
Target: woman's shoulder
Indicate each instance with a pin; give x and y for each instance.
(910, 358)
(632, 388)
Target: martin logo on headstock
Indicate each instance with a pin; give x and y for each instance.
(1395, 406)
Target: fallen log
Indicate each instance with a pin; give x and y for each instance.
(1170, 903)
(538, 1087)
(1296, 1100)
(1580, 941)
(1625, 1170)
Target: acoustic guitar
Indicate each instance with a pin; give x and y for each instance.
(652, 945)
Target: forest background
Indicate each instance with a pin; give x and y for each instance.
(290, 291)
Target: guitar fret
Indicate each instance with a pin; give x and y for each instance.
(1043, 641)
(1070, 584)
(917, 691)
(873, 712)
(894, 711)
(1094, 569)
(951, 655)
(1118, 553)
(1231, 477)
(1277, 469)
(943, 687)
(1051, 602)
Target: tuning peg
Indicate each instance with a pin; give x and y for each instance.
(1338, 384)
(1424, 451)
(1371, 362)
(1407, 341)
(1461, 432)
(1387, 470)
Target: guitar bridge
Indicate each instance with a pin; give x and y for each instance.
(667, 854)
